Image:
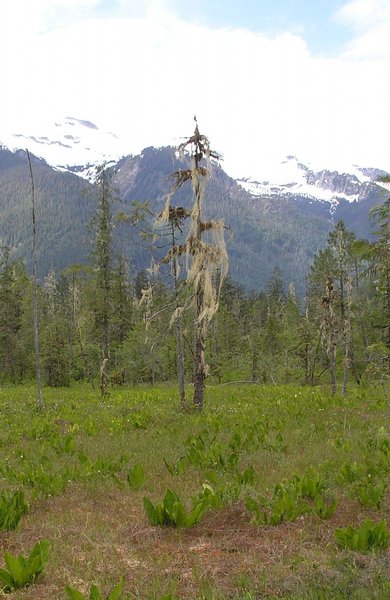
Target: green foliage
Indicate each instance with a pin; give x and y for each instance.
(23, 571)
(222, 493)
(171, 511)
(95, 594)
(210, 496)
(369, 536)
(178, 468)
(80, 438)
(12, 506)
(289, 500)
(324, 509)
(37, 474)
(206, 450)
(139, 420)
(285, 505)
(351, 472)
(247, 476)
(136, 477)
(371, 493)
(258, 511)
(310, 484)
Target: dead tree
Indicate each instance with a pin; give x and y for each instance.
(329, 329)
(204, 250)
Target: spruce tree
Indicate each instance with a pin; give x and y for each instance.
(102, 258)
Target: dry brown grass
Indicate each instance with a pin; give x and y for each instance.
(98, 534)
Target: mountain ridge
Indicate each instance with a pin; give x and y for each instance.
(280, 227)
(79, 145)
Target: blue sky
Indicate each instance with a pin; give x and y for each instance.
(314, 20)
(266, 79)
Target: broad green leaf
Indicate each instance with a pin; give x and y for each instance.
(162, 517)
(181, 465)
(18, 568)
(94, 593)
(251, 505)
(196, 513)
(180, 514)
(169, 500)
(39, 557)
(136, 477)
(151, 512)
(74, 594)
(6, 580)
(116, 593)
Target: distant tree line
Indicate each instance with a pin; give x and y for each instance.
(340, 332)
(183, 318)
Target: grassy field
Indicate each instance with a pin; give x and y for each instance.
(288, 449)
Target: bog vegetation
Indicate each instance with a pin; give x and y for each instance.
(271, 481)
(274, 491)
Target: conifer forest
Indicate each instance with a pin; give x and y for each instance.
(169, 434)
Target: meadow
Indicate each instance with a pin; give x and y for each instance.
(273, 492)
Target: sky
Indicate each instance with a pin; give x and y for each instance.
(308, 78)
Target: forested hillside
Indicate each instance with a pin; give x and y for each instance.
(322, 309)
(64, 205)
(262, 232)
(283, 438)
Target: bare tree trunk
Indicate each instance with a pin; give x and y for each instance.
(332, 362)
(314, 361)
(329, 325)
(199, 330)
(347, 336)
(204, 259)
(199, 354)
(105, 351)
(179, 337)
(180, 365)
(179, 345)
(36, 304)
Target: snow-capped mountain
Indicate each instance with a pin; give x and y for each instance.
(292, 178)
(281, 221)
(70, 144)
(78, 146)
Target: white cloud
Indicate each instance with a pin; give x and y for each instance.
(370, 20)
(144, 73)
(363, 13)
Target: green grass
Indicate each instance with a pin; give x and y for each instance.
(72, 462)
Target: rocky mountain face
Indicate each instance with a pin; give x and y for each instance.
(292, 178)
(281, 221)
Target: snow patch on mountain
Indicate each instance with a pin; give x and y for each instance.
(71, 144)
(291, 177)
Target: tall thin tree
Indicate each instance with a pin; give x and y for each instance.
(35, 283)
(176, 216)
(102, 256)
(204, 249)
(329, 329)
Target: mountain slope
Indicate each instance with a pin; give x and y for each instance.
(261, 233)
(64, 206)
(274, 228)
(330, 188)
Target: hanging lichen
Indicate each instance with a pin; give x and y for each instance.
(204, 249)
